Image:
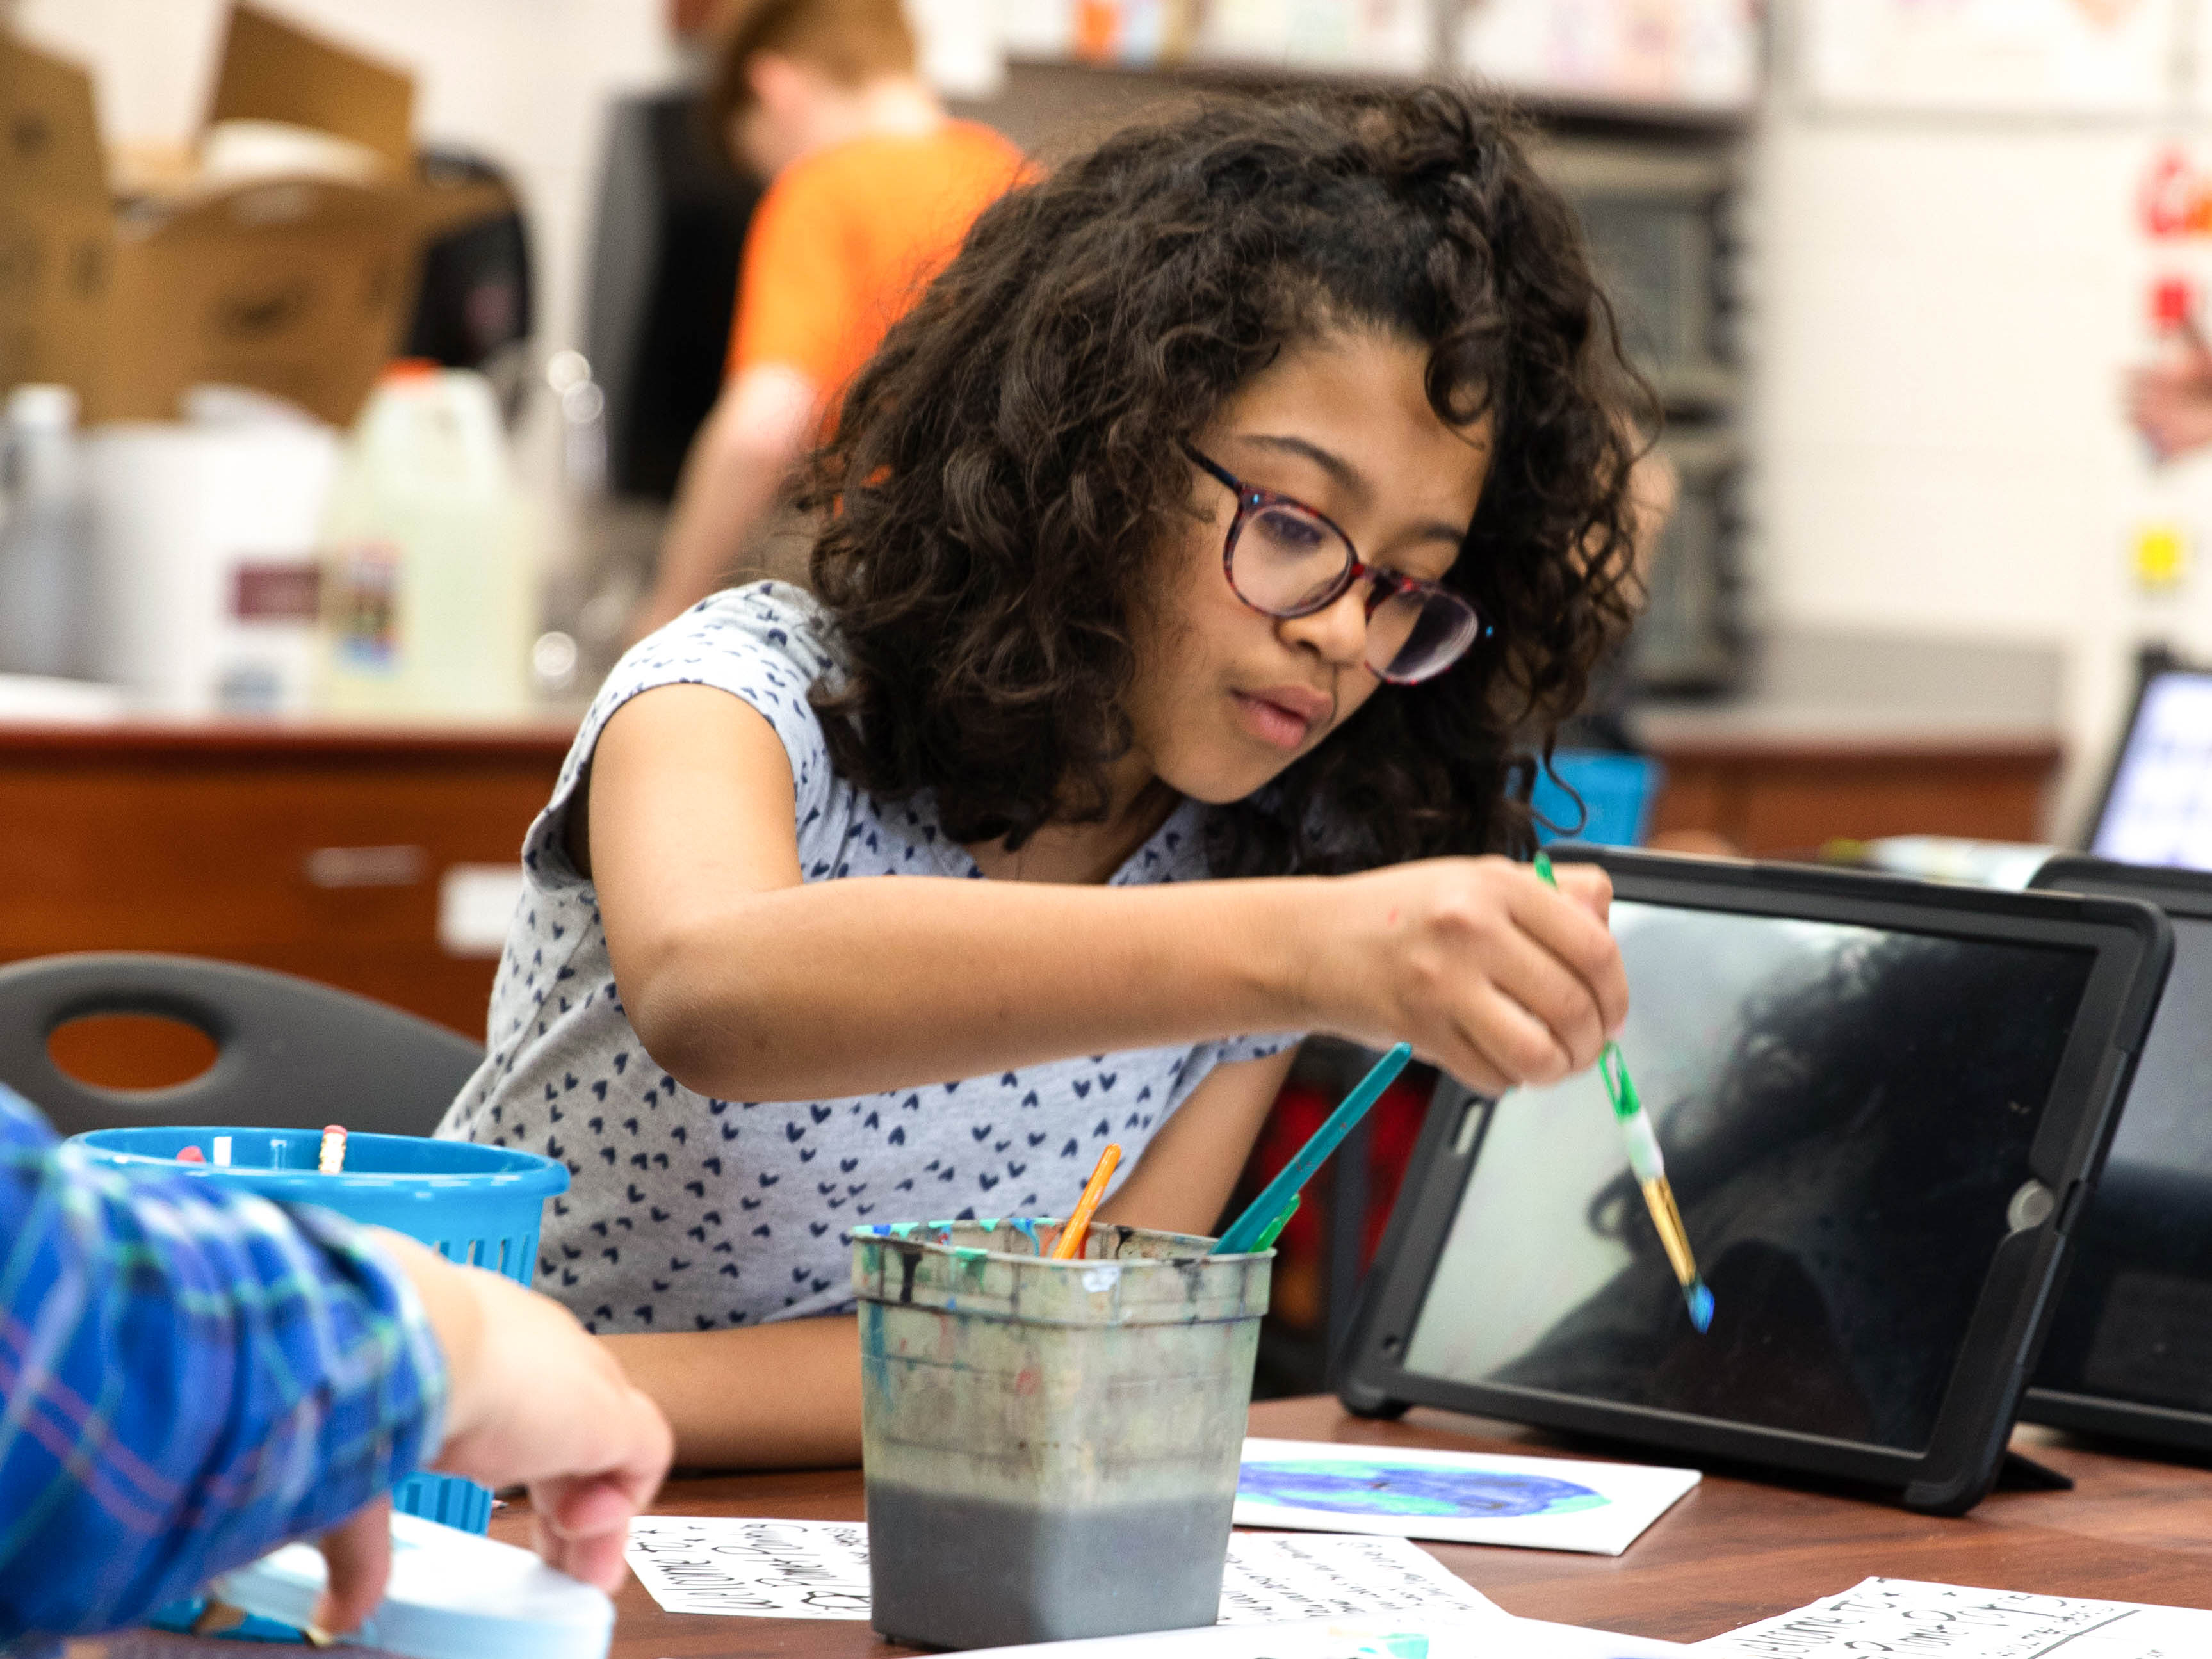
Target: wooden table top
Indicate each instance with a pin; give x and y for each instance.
(1732, 1551)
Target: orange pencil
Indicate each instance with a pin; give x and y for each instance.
(1078, 1221)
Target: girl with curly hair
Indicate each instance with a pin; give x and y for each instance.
(1207, 554)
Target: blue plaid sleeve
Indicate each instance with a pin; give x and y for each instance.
(191, 1377)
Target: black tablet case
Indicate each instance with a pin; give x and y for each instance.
(2170, 1332)
(2133, 945)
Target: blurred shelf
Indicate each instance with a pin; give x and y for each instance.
(1830, 690)
(1690, 388)
(156, 740)
(1859, 736)
(1602, 116)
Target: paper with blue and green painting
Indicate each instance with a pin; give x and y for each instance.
(1454, 1497)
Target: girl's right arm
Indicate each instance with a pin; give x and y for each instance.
(747, 983)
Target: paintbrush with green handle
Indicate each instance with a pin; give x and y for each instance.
(1649, 1168)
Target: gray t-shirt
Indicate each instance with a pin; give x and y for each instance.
(688, 1213)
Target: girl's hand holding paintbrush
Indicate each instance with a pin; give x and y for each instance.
(1492, 974)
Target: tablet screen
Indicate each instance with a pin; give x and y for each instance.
(1846, 1114)
(2135, 1321)
(2159, 808)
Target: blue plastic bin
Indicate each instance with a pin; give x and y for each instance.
(1617, 791)
(479, 1205)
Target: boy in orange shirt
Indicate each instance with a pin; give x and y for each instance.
(873, 186)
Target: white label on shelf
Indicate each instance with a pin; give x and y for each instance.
(332, 868)
(476, 903)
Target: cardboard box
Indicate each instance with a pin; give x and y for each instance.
(57, 233)
(299, 286)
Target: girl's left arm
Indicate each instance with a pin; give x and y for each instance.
(1183, 1182)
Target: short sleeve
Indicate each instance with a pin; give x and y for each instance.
(1198, 1063)
(798, 291)
(1260, 1046)
(767, 644)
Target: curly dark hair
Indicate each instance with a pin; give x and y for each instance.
(1007, 467)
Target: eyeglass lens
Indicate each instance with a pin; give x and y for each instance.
(1289, 562)
(1287, 559)
(1411, 637)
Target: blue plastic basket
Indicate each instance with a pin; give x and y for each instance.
(479, 1205)
(1618, 792)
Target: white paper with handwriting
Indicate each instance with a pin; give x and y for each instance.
(1379, 1636)
(766, 1569)
(1904, 1616)
(820, 1570)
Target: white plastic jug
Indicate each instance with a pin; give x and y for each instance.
(429, 600)
(206, 532)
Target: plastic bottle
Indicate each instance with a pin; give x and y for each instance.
(429, 601)
(45, 569)
(560, 459)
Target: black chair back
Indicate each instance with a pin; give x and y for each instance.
(289, 1054)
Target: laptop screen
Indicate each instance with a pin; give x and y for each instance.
(2158, 809)
(1847, 1113)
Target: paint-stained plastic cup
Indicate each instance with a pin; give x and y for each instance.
(1052, 1447)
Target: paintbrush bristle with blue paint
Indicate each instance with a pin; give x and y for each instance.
(1649, 1168)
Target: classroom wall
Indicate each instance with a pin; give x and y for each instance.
(1943, 310)
(527, 82)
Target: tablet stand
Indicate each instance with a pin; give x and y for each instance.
(2018, 1473)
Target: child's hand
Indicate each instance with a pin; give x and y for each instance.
(549, 1406)
(1486, 971)
(533, 1399)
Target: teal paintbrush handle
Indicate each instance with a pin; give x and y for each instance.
(1244, 1233)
